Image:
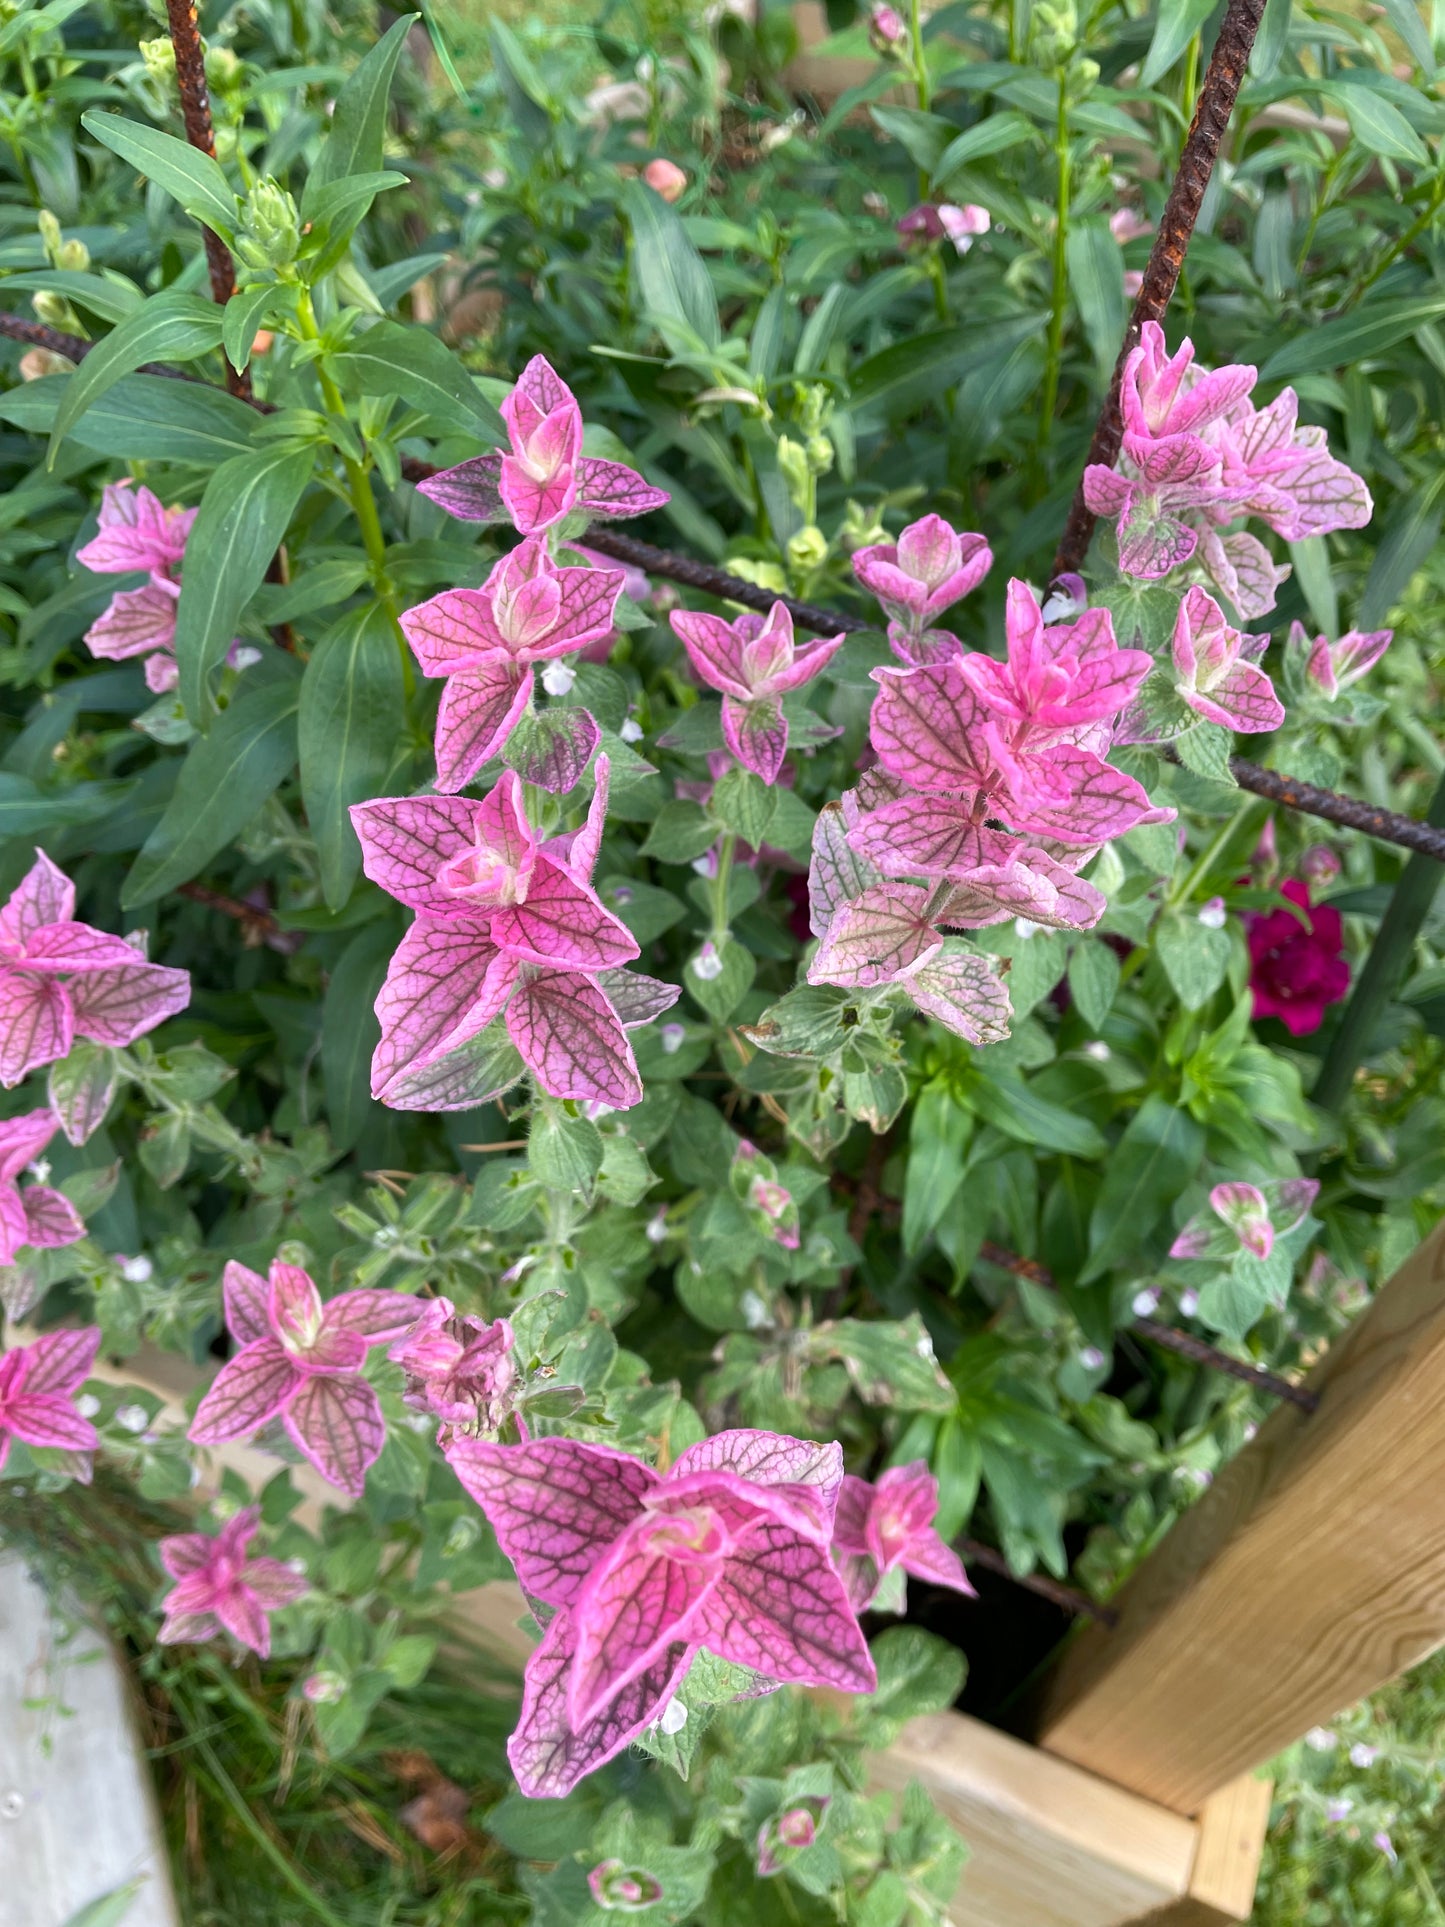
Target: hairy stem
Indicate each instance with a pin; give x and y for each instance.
(1060, 294)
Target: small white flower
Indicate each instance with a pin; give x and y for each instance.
(1098, 1050)
(1213, 915)
(138, 1270)
(630, 730)
(706, 864)
(1194, 1476)
(132, 1418)
(558, 678)
(297, 1566)
(755, 1312)
(1188, 1303)
(671, 1037)
(1092, 1359)
(1024, 930)
(420, 1421)
(674, 1716)
(707, 964)
(1320, 1739)
(1145, 1303)
(1251, 1430)
(87, 1405)
(39, 1169)
(1362, 1754)
(12, 1804)
(657, 1227)
(243, 656)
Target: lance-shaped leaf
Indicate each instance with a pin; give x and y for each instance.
(571, 1039)
(337, 1424)
(781, 1609)
(875, 938)
(555, 1504)
(964, 993)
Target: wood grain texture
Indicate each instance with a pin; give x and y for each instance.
(77, 1818)
(1048, 1845)
(1310, 1573)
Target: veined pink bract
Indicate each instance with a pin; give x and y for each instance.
(220, 1587)
(36, 1216)
(887, 1528)
(754, 661)
(38, 1384)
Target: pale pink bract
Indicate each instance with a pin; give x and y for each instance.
(60, 979)
(138, 532)
(459, 1368)
(728, 1550)
(38, 1384)
(1213, 671)
(1333, 666)
(301, 1361)
(925, 572)
(37, 1216)
(219, 1587)
(887, 1527)
(753, 661)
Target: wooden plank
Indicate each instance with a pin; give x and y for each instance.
(1048, 1845)
(1232, 1825)
(77, 1810)
(1310, 1573)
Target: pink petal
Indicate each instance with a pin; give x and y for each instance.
(247, 1298)
(60, 1361)
(50, 1218)
(22, 1139)
(273, 1584)
(757, 734)
(51, 1423)
(967, 995)
(479, 710)
(1090, 801)
(541, 385)
(187, 1629)
(1244, 700)
(809, 660)
(555, 1504)
(929, 836)
(337, 1424)
(929, 1558)
(547, 1755)
(926, 725)
(1152, 542)
(715, 649)
(184, 1553)
(133, 623)
(251, 1388)
(445, 983)
(376, 1315)
(43, 895)
(470, 491)
(612, 492)
(406, 840)
(781, 1609)
(810, 1475)
(570, 1037)
(578, 850)
(116, 1006)
(877, 936)
(585, 612)
(850, 1523)
(36, 1023)
(636, 1605)
(537, 502)
(561, 923)
(14, 1229)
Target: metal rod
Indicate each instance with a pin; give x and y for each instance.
(1066, 1598)
(1166, 259)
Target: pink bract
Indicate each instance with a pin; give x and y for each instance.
(460, 1368)
(887, 1526)
(38, 1384)
(36, 1216)
(136, 531)
(507, 925)
(220, 1588)
(926, 571)
(60, 980)
(301, 1361)
(728, 1551)
(544, 475)
(1296, 970)
(485, 641)
(753, 661)
(1213, 672)
(1056, 678)
(1333, 666)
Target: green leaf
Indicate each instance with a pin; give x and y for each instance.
(564, 1153)
(1206, 749)
(26, 810)
(113, 301)
(1404, 17)
(356, 140)
(243, 518)
(930, 362)
(352, 708)
(923, 137)
(1409, 537)
(242, 319)
(1011, 1107)
(671, 277)
(187, 175)
(680, 832)
(890, 1361)
(110, 1909)
(917, 1673)
(1093, 980)
(330, 214)
(938, 1135)
(1096, 280)
(1151, 1164)
(222, 785)
(174, 326)
(1175, 26)
(719, 995)
(1371, 329)
(521, 83)
(1195, 958)
(143, 418)
(394, 358)
(350, 1031)
(1315, 574)
(1380, 128)
(992, 136)
(743, 803)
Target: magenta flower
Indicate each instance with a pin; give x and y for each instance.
(38, 1384)
(1333, 666)
(1296, 969)
(301, 1361)
(755, 1180)
(888, 1527)
(138, 532)
(60, 980)
(1246, 1217)
(460, 1368)
(544, 475)
(36, 1216)
(754, 661)
(1213, 670)
(485, 641)
(728, 1551)
(218, 1588)
(788, 1833)
(926, 571)
(1056, 678)
(506, 924)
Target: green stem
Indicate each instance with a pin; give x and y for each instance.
(720, 889)
(921, 78)
(1060, 289)
(1384, 967)
(1398, 247)
(1195, 875)
(1189, 88)
(363, 502)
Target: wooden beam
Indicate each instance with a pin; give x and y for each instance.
(1310, 1573)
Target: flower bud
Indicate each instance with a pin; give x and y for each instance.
(160, 61)
(666, 178)
(819, 451)
(36, 363)
(619, 1889)
(808, 549)
(886, 29)
(73, 256)
(1319, 864)
(862, 528)
(793, 467)
(223, 68)
(270, 226)
(353, 287)
(53, 309)
(323, 1688)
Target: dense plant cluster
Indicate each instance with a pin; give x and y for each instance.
(671, 1103)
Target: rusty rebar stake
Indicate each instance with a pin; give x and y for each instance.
(1066, 1598)
(201, 133)
(1166, 259)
